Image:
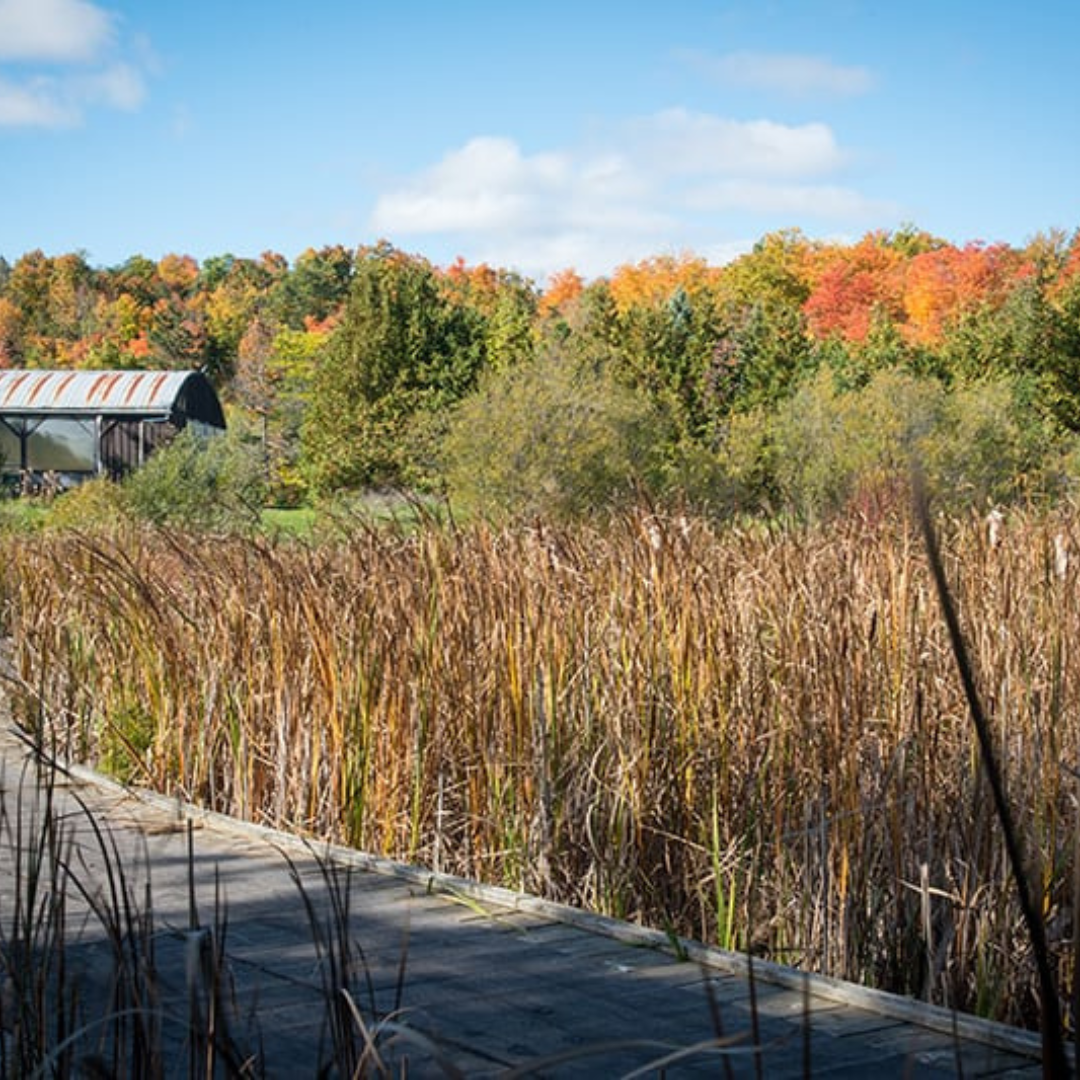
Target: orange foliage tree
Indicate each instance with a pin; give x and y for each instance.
(854, 287)
(563, 288)
(652, 282)
(941, 285)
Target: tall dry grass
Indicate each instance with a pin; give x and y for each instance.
(755, 737)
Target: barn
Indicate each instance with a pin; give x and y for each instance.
(77, 424)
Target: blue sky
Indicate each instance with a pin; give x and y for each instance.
(533, 136)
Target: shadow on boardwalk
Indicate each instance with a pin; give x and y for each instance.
(157, 940)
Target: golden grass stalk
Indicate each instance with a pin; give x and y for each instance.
(665, 719)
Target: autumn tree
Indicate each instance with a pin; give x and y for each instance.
(942, 285)
(664, 328)
(121, 326)
(776, 272)
(27, 288)
(585, 324)
(854, 286)
(11, 334)
(179, 274)
(234, 295)
(651, 283)
(272, 385)
(563, 288)
(315, 288)
(505, 304)
(138, 277)
(252, 383)
(55, 297)
(177, 337)
(291, 370)
(909, 240)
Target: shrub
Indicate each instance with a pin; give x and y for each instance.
(980, 443)
(996, 446)
(95, 504)
(550, 436)
(197, 482)
(830, 444)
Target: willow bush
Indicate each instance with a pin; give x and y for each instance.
(555, 438)
(981, 443)
(753, 736)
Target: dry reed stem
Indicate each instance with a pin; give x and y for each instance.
(650, 719)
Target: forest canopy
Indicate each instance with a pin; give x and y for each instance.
(799, 376)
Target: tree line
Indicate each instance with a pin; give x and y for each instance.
(799, 376)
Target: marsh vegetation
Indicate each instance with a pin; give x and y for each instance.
(752, 735)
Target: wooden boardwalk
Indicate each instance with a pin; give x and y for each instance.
(454, 979)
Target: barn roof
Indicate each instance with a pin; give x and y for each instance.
(135, 393)
(89, 391)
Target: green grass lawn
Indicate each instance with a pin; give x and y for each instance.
(302, 522)
(339, 514)
(289, 521)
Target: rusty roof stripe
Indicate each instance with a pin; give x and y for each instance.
(16, 380)
(133, 385)
(65, 382)
(155, 388)
(106, 385)
(94, 386)
(39, 385)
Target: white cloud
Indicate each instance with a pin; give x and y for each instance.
(683, 142)
(487, 184)
(533, 212)
(60, 102)
(77, 41)
(541, 252)
(119, 86)
(31, 105)
(53, 30)
(668, 182)
(787, 73)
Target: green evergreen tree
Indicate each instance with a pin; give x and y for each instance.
(401, 350)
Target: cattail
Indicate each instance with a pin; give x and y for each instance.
(1061, 556)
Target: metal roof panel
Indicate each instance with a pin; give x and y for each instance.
(143, 392)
